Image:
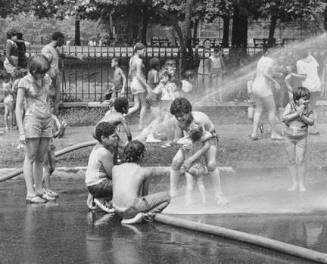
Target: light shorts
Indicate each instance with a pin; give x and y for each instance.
(136, 87)
(300, 142)
(37, 127)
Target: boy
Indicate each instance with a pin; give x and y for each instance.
(217, 69)
(130, 187)
(196, 140)
(298, 116)
(119, 79)
(181, 108)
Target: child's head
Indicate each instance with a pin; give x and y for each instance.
(5, 76)
(38, 66)
(154, 63)
(189, 75)
(170, 66)
(114, 62)
(164, 76)
(217, 51)
(289, 68)
(139, 49)
(105, 133)
(181, 108)
(195, 131)
(301, 94)
(121, 105)
(12, 34)
(59, 37)
(134, 151)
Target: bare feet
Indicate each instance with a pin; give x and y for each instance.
(221, 199)
(302, 188)
(292, 188)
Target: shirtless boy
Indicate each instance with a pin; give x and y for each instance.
(130, 187)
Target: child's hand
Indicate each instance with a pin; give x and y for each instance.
(186, 164)
(22, 139)
(300, 109)
(277, 86)
(288, 77)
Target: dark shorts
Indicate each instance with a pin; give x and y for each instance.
(102, 189)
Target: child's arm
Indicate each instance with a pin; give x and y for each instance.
(223, 67)
(188, 162)
(58, 126)
(19, 112)
(107, 163)
(124, 80)
(288, 116)
(127, 130)
(307, 119)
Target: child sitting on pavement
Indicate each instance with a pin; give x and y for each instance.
(196, 139)
(298, 116)
(181, 108)
(130, 187)
(98, 176)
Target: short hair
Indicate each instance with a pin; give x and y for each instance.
(163, 73)
(38, 64)
(104, 129)
(116, 60)
(57, 35)
(180, 105)
(139, 46)
(301, 92)
(134, 151)
(11, 32)
(120, 103)
(154, 63)
(195, 131)
(170, 62)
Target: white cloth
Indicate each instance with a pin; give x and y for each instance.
(309, 66)
(261, 86)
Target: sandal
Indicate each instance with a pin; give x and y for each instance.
(46, 197)
(35, 200)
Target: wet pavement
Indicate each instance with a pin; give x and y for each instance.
(66, 232)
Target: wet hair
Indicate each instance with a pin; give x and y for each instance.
(301, 92)
(11, 32)
(134, 151)
(121, 104)
(116, 60)
(57, 35)
(180, 105)
(38, 64)
(154, 63)
(163, 73)
(104, 129)
(195, 131)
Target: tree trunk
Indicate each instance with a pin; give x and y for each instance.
(145, 22)
(240, 29)
(226, 31)
(272, 27)
(77, 31)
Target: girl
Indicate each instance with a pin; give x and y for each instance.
(153, 74)
(35, 130)
(11, 61)
(298, 116)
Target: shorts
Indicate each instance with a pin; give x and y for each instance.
(8, 100)
(152, 203)
(300, 142)
(102, 189)
(136, 87)
(37, 127)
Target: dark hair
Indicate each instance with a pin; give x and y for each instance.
(195, 131)
(116, 60)
(301, 92)
(163, 73)
(57, 35)
(104, 129)
(20, 35)
(134, 151)
(217, 48)
(154, 63)
(38, 64)
(121, 104)
(11, 32)
(180, 105)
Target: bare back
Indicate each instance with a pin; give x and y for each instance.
(128, 179)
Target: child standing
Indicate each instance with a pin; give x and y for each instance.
(35, 130)
(11, 61)
(197, 139)
(153, 74)
(217, 69)
(181, 108)
(119, 79)
(8, 101)
(298, 116)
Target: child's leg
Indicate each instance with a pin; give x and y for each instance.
(136, 105)
(202, 189)
(214, 173)
(189, 188)
(257, 117)
(301, 148)
(175, 172)
(10, 115)
(143, 110)
(42, 148)
(292, 167)
(6, 116)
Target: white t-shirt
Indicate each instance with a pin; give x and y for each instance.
(261, 85)
(309, 66)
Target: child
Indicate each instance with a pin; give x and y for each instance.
(153, 74)
(290, 81)
(187, 82)
(98, 176)
(217, 69)
(11, 61)
(196, 140)
(130, 187)
(116, 115)
(35, 130)
(181, 108)
(119, 79)
(49, 164)
(298, 116)
(8, 101)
